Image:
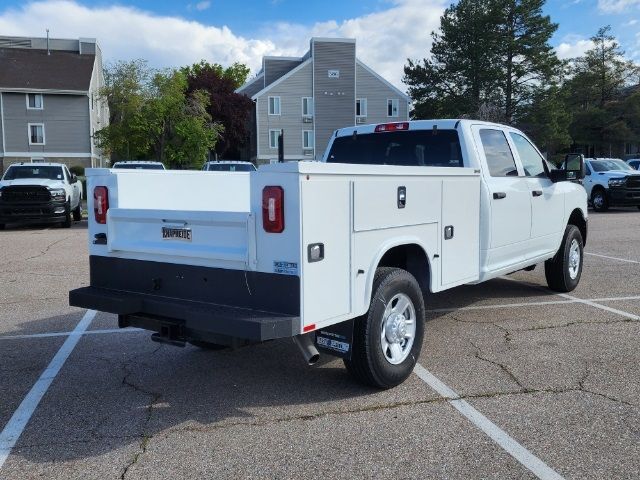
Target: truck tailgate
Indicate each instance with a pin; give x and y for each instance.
(224, 236)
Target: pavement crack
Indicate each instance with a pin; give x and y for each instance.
(478, 354)
(154, 399)
(48, 247)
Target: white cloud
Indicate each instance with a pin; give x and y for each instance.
(573, 46)
(200, 6)
(617, 6)
(385, 39)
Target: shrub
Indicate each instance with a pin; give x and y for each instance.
(78, 170)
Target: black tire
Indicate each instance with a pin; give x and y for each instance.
(207, 345)
(638, 207)
(2, 226)
(67, 217)
(77, 212)
(557, 270)
(369, 364)
(599, 200)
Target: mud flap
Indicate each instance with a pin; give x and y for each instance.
(336, 340)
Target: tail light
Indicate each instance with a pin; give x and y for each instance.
(273, 209)
(100, 204)
(392, 127)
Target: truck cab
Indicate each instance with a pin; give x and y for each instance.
(334, 254)
(523, 208)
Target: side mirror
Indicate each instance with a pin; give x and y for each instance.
(74, 178)
(574, 166)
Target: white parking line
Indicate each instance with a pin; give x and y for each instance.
(66, 334)
(12, 431)
(611, 258)
(502, 438)
(533, 304)
(630, 316)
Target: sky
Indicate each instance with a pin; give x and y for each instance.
(172, 33)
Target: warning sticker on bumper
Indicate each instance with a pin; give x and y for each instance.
(288, 268)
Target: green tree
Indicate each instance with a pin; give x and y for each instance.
(236, 73)
(546, 119)
(487, 61)
(153, 115)
(231, 110)
(462, 72)
(126, 137)
(600, 97)
(527, 60)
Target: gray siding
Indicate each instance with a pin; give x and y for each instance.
(334, 97)
(254, 87)
(290, 92)
(377, 93)
(65, 118)
(275, 68)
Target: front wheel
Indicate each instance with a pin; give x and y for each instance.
(387, 340)
(599, 200)
(67, 216)
(563, 271)
(77, 212)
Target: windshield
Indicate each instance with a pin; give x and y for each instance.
(623, 165)
(608, 165)
(438, 148)
(29, 171)
(230, 167)
(139, 166)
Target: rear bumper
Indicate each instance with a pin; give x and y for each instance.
(198, 302)
(32, 212)
(194, 320)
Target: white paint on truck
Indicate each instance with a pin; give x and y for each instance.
(451, 202)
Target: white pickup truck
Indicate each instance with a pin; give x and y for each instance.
(40, 193)
(335, 254)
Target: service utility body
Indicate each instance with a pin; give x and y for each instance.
(334, 254)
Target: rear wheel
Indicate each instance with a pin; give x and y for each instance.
(388, 339)
(564, 270)
(77, 212)
(599, 200)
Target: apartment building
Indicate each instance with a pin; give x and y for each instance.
(49, 101)
(309, 97)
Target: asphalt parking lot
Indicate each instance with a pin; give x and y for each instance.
(514, 382)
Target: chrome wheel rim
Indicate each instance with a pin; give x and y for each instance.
(598, 200)
(398, 329)
(574, 259)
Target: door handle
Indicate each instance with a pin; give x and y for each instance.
(499, 195)
(537, 193)
(402, 197)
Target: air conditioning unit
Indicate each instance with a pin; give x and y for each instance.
(307, 152)
(307, 119)
(361, 119)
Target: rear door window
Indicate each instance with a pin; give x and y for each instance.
(500, 160)
(424, 148)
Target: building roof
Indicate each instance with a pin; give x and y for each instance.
(31, 69)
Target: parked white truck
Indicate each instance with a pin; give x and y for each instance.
(39, 193)
(335, 254)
